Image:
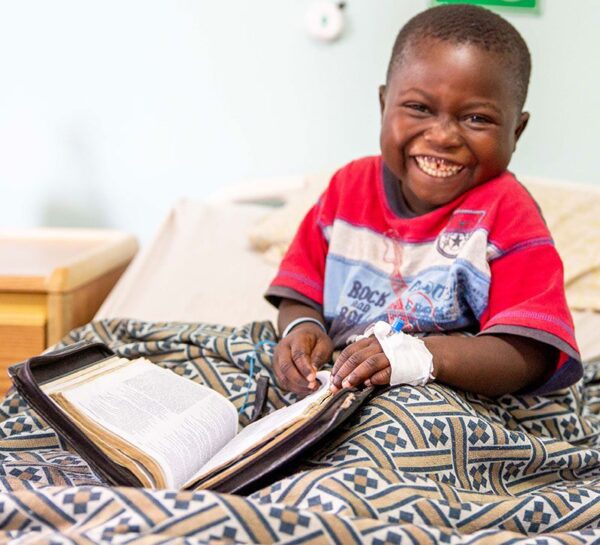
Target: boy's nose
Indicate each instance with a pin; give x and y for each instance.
(443, 133)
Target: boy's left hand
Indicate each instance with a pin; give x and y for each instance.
(361, 362)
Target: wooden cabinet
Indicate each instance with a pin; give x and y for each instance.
(52, 280)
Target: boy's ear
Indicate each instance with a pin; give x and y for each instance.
(381, 98)
(523, 120)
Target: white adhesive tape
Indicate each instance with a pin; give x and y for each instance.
(410, 360)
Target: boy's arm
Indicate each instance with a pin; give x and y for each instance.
(491, 365)
(304, 350)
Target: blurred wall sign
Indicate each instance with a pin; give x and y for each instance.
(525, 4)
(325, 20)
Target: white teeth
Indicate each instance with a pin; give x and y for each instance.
(439, 168)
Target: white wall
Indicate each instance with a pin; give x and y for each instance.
(110, 110)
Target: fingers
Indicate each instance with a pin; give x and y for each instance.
(353, 358)
(301, 356)
(347, 360)
(288, 374)
(361, 362)
(371, 366)
(380, 378)
(322, 351)
(347, 353)
(297, 358)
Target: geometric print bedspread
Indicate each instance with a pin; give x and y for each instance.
(417, 465)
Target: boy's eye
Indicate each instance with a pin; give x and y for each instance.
(417, 107)
(478, 119)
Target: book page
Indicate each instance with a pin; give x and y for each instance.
(179, 423)
(86, 373)
(268, 426)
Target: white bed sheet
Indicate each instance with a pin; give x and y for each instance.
(197, 268)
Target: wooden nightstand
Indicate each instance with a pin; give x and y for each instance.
(52, 280)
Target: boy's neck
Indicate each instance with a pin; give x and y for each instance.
(393, 192)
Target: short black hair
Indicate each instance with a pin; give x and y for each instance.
(467, 24)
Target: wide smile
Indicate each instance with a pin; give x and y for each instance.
(437, 167)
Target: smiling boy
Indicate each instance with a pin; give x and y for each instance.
(435, 232)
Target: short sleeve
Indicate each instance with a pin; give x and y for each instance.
(302, 271)
(527, 298)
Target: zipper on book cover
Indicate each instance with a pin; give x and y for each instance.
(260, 397)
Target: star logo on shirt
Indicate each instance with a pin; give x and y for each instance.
(449, 244)
(461, 225)
(456, 240)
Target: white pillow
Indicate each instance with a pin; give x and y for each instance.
(273, 233)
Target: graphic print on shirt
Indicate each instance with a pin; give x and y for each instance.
(461, 225)
(380, 277)
(393, 255)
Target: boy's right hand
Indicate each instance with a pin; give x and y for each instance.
(299, 356)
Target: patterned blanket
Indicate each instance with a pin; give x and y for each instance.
(417, 465)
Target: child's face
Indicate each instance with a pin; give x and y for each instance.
(450, 121)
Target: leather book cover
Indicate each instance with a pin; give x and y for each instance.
(257, 469)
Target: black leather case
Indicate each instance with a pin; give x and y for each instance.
(30, 374)
(275, 462)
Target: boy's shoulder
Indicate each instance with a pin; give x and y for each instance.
(356, 181)
(505, 189)
(358, 171)
(510, 212)
(503, 194)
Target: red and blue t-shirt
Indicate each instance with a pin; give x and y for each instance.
(483, 263)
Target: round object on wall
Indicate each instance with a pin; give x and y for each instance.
(325, 20)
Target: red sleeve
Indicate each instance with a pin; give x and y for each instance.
(302, 269)
(527, 295)
(527, 290)
(301, 274)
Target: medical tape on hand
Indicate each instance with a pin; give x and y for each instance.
(410, 360)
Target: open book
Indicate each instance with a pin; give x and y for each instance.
(168, 431)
